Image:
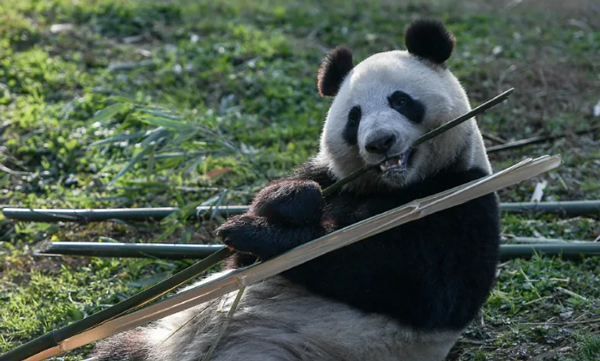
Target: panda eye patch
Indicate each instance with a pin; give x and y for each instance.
(354, 115)
(350, 133)
(398, 100)
(404, 104)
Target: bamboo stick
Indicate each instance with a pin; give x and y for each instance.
(535, 140)
(98, 215)
(417, 209)
(566, 250)
(569, 208)
(195, 251)
(493, 138)
(478, 110)
(139, 250)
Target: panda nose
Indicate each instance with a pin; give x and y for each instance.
(381, 144)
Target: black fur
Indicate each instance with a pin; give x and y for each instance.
(404, 104)
(351, 129)
(336, 65)
(289, 210)
(431, 274)
(429, 39)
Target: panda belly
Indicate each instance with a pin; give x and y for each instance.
(277, 320)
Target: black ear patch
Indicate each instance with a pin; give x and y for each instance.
(336, 65)
(429, 39)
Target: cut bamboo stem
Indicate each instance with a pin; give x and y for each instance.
(136, 250)
(568, 208)
(535, 140)
(566, 250)
(477, 110)
(535, 240)
(493, 138)
(99, 215)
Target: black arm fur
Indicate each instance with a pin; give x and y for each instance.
(431, 274)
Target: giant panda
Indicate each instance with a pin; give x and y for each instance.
(405, 294)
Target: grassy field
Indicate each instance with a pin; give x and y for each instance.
(134, 104)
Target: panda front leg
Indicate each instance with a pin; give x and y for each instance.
(285, 214)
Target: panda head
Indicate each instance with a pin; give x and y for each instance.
(383, 104)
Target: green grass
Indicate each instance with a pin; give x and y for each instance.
(232, 84)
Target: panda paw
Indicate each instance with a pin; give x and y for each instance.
(290, 202)
(244, 233)
(255, 235)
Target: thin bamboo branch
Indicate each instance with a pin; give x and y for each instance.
(566, 250)
(139, 250)
(299, 255)
(569, 208)
(535, 140)
(195, 251)
(535, 240)
(98, 215)
(493, 138)
(478, 110)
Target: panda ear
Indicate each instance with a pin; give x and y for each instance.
(429, 39)
(336, 65)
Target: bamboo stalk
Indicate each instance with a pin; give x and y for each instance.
(535, 140)
(566, 250)
(195, 251)
(53, 339)
(569, 208)
(478, 110)
(493, 138)
(139, 250)
(299, 255)
(98, 215)
(535, 240)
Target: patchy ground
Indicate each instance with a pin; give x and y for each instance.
(215, 98)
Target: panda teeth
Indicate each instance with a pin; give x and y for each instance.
(390, 164)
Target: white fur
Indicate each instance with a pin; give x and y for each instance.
(279, 321)
(369, 84)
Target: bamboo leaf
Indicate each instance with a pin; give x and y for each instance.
(167, 123)
(168, 232)
(109, 112)
(129, 165)
(183, 212)
(123, 99)
(160, 132)
(160, 114)
(150, 169)
(118, 138)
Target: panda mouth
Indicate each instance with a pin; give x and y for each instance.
(395, 163)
